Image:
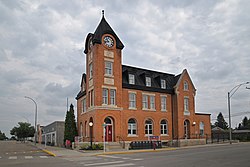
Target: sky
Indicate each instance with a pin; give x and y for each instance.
(41, 44)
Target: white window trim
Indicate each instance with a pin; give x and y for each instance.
(164, 129)
(148, 82)
(185, 86)
(133, 79)
(108, 69)
(143, 108)
(129, 107)
(163, 86)
(106, 97)
(149, 129)
(90, 70)
(162, 109)
(186, 97)
(132, 129)
(113, 98)
(152, 107)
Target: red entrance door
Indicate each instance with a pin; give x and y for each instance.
(108, 134)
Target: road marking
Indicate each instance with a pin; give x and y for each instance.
(125, 158)
(0, 157)
(103, 163)
(43, 156)
(117, 165)
(13, 157)
(109, 156)
(28, 157)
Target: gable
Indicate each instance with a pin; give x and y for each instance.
(184, 76)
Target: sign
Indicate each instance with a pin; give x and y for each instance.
(154, 137)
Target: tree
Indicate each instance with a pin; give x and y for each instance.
(70, 125)
(2, 136)
(221, 122)
(23, 130)
(245, 124)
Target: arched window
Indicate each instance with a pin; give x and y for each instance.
(108, 120)
(202, 128)
(164, 127)
(81, 129)
(148, 127)
(185, 85)
(85, 129)
(132, 127)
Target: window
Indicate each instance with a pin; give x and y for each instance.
(164, 127)
(131, 79)
(90, 70)
(185, 85)
(104, 96)
(132, 100)
(81, 129)
(131, 127)
(163, 84)
(201, 128)
(163, 103)
(84, 108)
(91, 98)
(144, 101)
(148, 127)
(148, 81)
(112, 96)
(108, 68)
(152, 102)
(85, 129)
(186, 104)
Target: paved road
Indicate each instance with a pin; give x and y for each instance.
(213, 156)
(17, 154)
(205, 156)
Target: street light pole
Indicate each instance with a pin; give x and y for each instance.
(90, 135)
(229, 95)
(35, 115)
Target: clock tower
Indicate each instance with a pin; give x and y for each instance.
(103, 81)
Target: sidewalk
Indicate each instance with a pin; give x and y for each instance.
(63, 152)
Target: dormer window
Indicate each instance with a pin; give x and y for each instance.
(163, 84)
(185, 85)
(131, 79)
(148, 81)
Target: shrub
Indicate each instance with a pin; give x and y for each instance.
(86, 146)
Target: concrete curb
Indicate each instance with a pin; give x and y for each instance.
(48, 152)
(136, 151)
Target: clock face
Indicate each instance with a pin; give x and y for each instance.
(108, 41)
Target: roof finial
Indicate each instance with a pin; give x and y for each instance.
(102, 13)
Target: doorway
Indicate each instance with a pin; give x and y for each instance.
(186, 129)
(109, 129)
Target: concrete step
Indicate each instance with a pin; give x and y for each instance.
(114, 146)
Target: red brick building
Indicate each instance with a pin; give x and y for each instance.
(133, 103)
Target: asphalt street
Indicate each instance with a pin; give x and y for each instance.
(22, 155)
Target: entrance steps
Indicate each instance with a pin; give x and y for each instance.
(114, 146)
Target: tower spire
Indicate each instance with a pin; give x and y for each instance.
(102, 13)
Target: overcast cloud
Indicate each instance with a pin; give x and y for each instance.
(41, 45)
